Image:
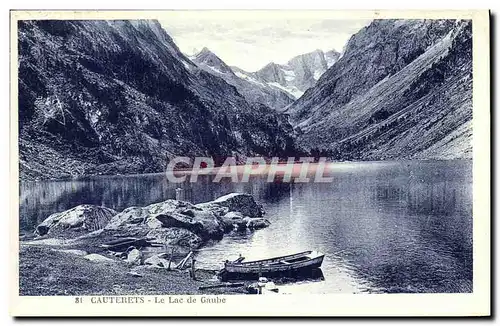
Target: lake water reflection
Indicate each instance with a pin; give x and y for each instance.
(383, 226)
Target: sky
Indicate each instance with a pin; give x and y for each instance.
(252, 40)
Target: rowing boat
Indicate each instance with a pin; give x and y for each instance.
(285, 265)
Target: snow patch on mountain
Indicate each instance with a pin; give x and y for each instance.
(275, 85)
(249, 78)
(294, 91)
(317, 74)
(299, 74)
(253, 89)
(289, 75)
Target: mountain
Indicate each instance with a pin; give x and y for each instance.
(110, 97)
(207, 58)
(297, 75)
(252, 89)
(401, 90)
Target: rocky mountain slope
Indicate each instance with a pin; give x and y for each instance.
(108, 97)
(401, 90)
(253, 90)
(296, 76)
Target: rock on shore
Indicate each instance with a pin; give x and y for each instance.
(171, 222)
(67, 257)
(243, 203)
(82, 218)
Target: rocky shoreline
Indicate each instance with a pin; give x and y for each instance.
(70, 253)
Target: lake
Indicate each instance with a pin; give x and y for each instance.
(383, 226)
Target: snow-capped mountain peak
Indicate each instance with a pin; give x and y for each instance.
(253, 89)
(282, 83)
(299, 73)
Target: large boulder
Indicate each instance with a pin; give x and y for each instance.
(129, 216)
(171, 222)
(201, 222)
(169, 205)
(134, 256)
(82, 218)
(177, 237)
(171, 213)
(256, 223)
(236, 220)
(159, 260)
(237, 202)
(145, 216)
(233, 220)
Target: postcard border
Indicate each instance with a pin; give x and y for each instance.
(473, 304)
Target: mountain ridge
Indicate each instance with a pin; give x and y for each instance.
(118, 97)
(251, 89)
(380, 100)
(298, 74)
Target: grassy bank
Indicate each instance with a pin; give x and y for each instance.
(45, 271)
